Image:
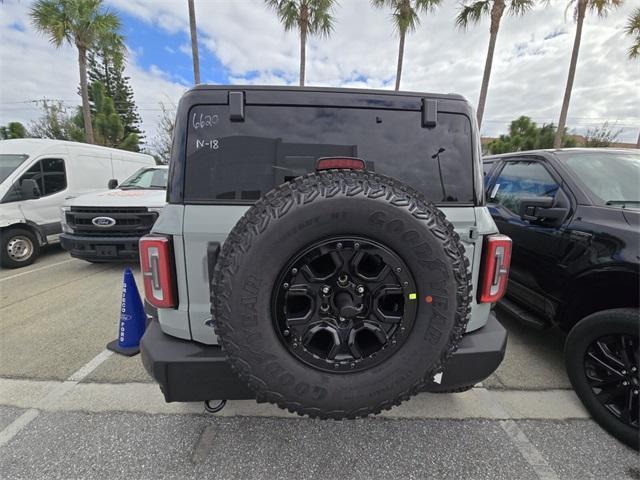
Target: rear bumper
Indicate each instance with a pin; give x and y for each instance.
(188, 371)
(103, 249)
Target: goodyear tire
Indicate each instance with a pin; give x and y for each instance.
(340, 294)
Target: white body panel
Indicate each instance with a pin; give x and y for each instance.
(87, 168)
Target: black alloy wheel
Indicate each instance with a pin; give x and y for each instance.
(603, 358)
(341, 304)
(611, 367)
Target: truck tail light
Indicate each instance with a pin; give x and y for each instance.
(494, 274)
(156, 261)
(328, 163)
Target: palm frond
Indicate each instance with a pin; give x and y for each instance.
(288, 12)
(603, 7)
(632, 28)
(472, 13)
(321, 17)
(50, 18)
(520, 7)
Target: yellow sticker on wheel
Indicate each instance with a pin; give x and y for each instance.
(412, 296)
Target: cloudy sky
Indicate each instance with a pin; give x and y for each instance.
(242, 42)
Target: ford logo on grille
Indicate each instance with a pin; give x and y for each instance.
(103, 222)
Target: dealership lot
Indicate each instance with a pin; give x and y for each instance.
(68, 409)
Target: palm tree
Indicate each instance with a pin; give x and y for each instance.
(194, 42)
(633, 30)
(602, 8)
(472, 12)
(309, 17)
(406, 18)
(85, 24)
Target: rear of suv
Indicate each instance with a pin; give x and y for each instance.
(325, 250)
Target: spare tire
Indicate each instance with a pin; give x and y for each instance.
(339, 294)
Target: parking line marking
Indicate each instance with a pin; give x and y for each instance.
(35, 270)
(522, 443)
(56, 393)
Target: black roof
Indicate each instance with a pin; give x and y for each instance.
(361, 91)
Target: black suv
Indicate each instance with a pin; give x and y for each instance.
(574, 218)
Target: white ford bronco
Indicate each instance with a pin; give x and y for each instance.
(325, 250)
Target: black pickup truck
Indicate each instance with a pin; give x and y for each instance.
(574, 218)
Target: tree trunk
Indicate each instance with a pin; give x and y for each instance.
(557, 141)
(194, 43)
(400, 58)
(303, 53)
(84, 90)
(496, 16)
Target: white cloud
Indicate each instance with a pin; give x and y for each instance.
(31, 69)
(528, 77)
(529, 70)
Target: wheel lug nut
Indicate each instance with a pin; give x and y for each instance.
(625, 383)
(324, 307)
(343, 278)
(294, 271)
(325, 290)
(398, 270)
(624, 372)
(285, 286)
(360, 289)
(633, 369)
(635, 392)
(339, 245)
(356, 245)
(342, 319)
(286, 333)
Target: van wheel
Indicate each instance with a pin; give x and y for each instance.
(340, 294)
(602, 356)
(20, 248)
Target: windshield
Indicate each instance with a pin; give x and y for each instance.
(612, 178)
(147, 178)
(9, 162)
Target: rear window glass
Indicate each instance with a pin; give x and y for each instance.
(237, 162)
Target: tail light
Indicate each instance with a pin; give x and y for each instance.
(328, 163)
(495, 271)
(156, 261)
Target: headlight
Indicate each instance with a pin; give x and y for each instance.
(63, 220)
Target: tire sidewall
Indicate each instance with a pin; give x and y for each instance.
(592, 327)
(6, 237)
(263, 358)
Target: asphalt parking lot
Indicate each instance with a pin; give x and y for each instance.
(69, 409)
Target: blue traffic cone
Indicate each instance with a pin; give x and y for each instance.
(132, 319)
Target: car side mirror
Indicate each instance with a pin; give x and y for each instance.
(541, 208)
(113, 183)
(29, 189)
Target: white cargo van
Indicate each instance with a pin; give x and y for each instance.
(37, 175)
(106, 226)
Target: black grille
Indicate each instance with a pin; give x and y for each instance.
(130, 221)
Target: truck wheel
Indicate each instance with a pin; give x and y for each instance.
(602, 359)
(340, 294)
(20, 247)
